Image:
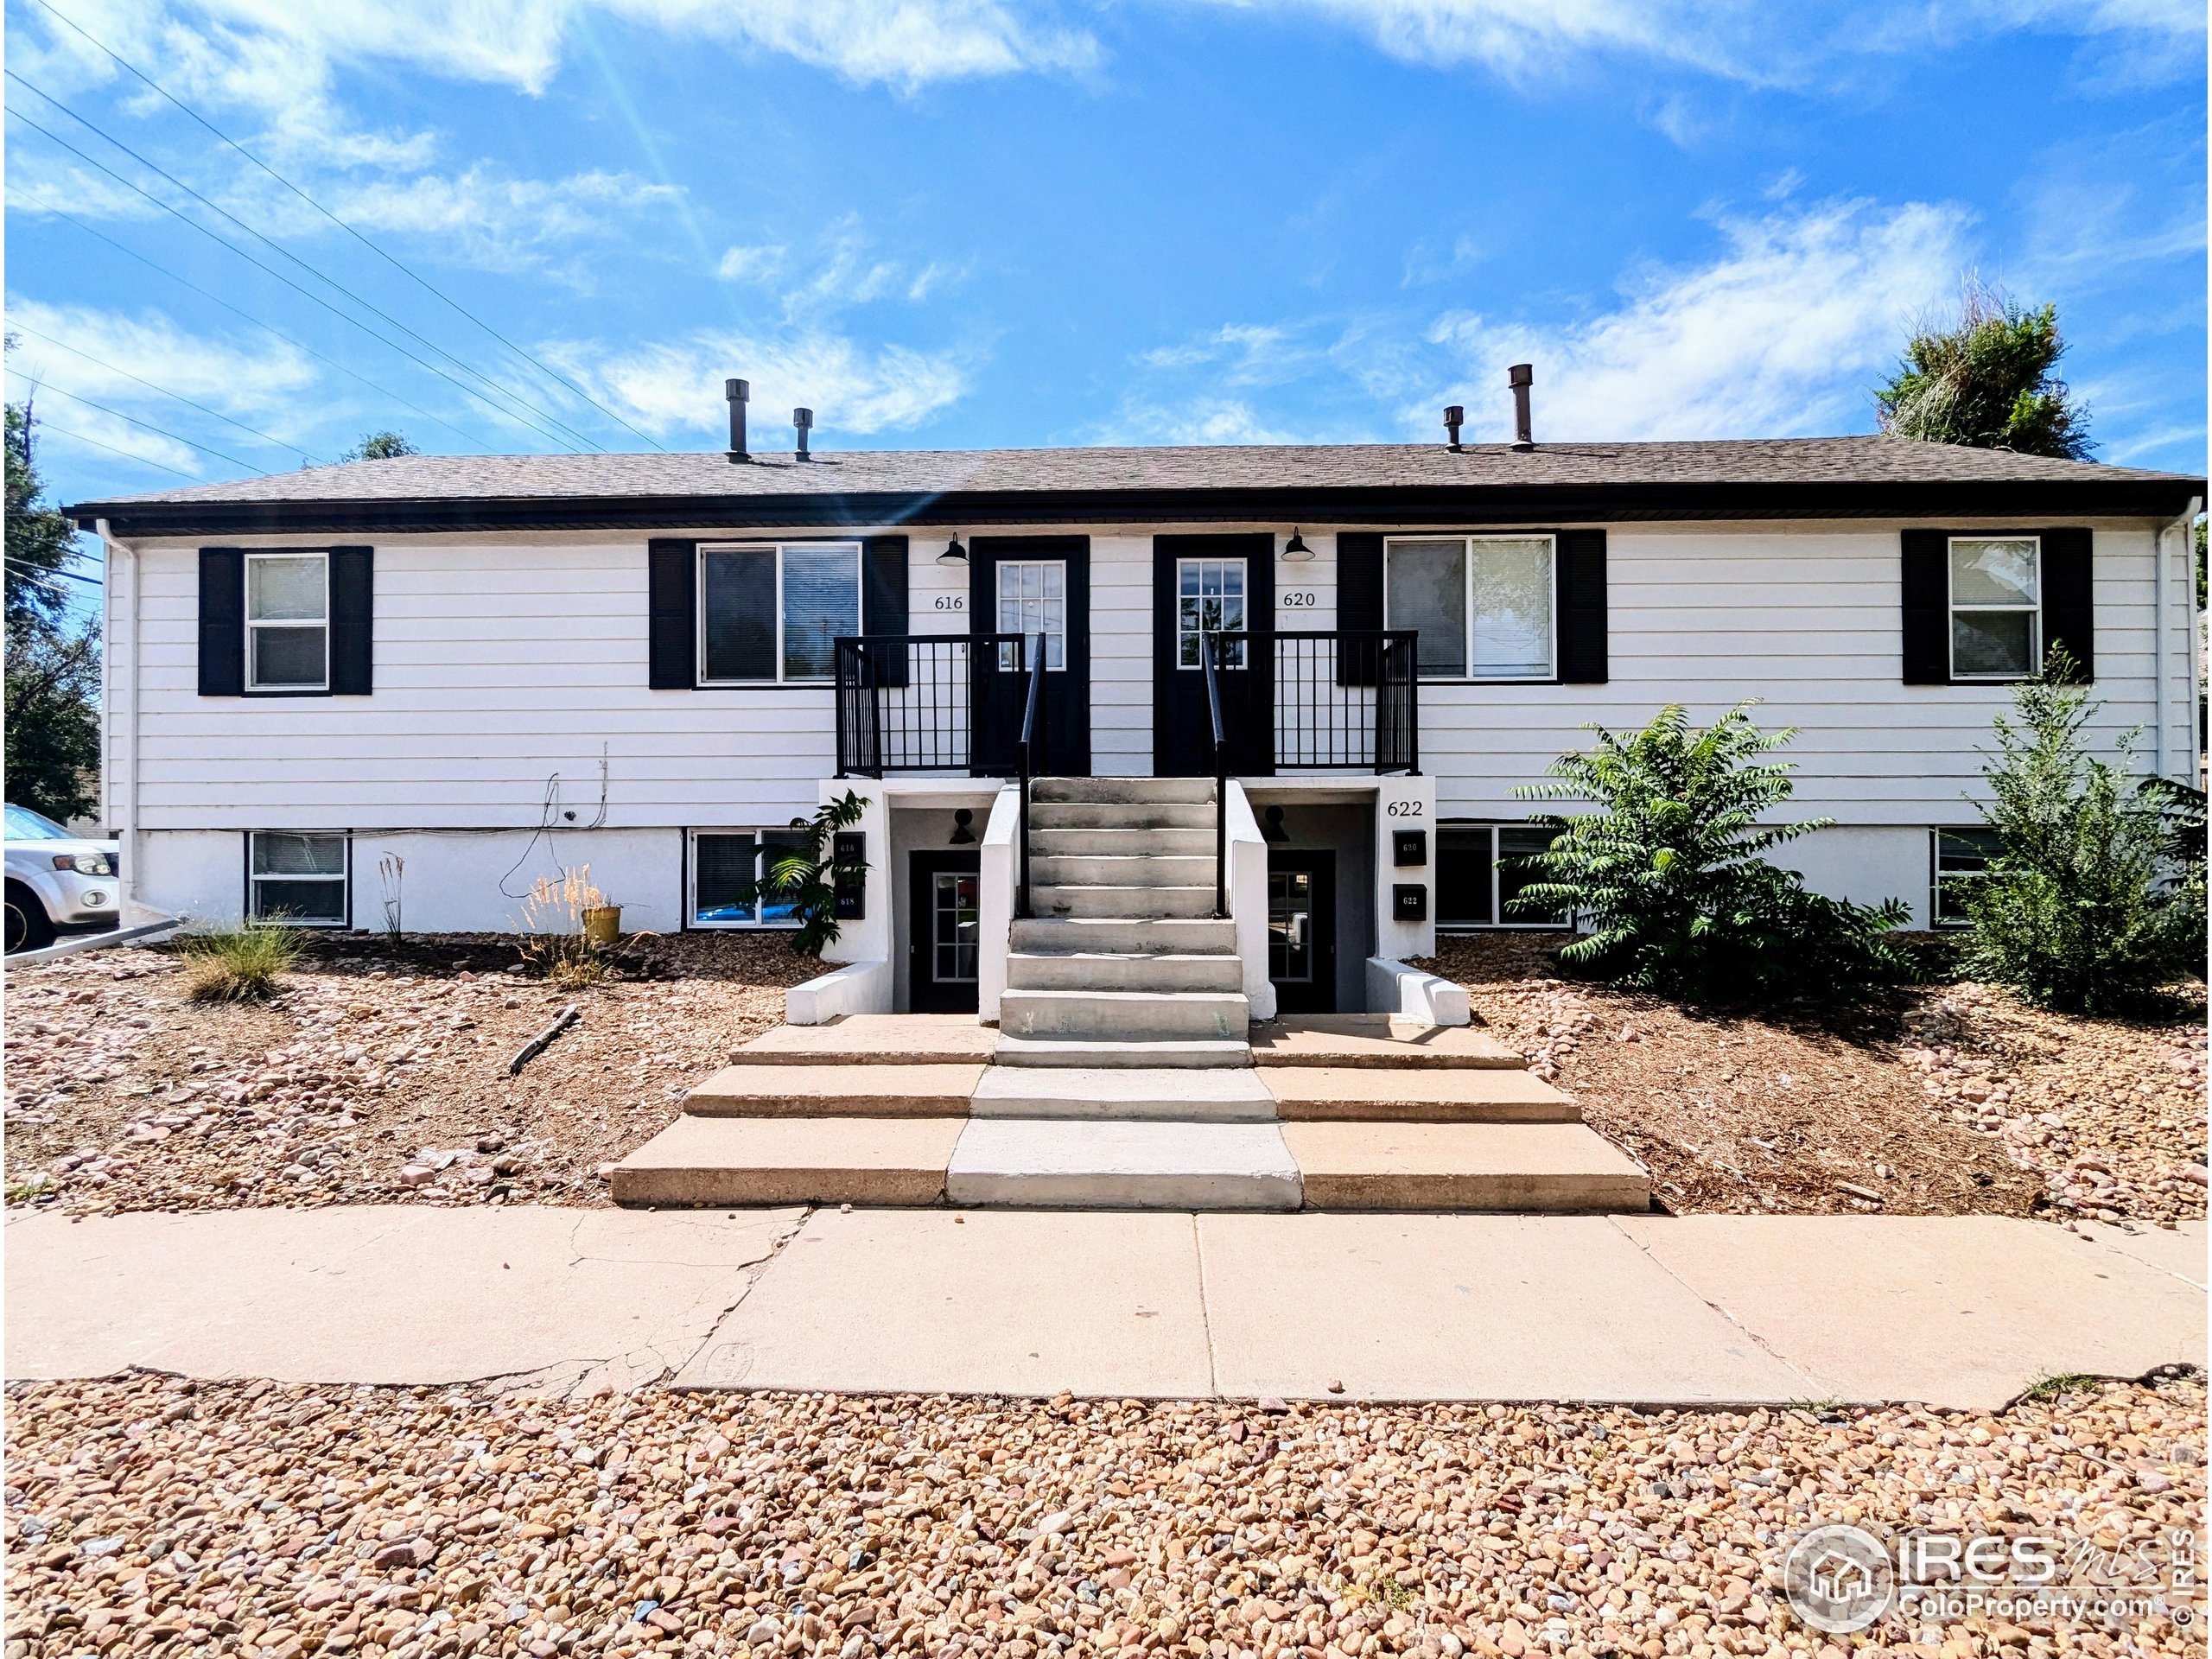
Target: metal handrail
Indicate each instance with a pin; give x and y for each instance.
(913, 703)
(1033, 740)
(1220, 778)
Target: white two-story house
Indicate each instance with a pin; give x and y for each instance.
(420, 682)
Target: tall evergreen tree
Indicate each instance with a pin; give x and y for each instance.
(53, 664)
(1987, 381)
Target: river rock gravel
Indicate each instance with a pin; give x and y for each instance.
(378, 1074)
(148, 1516)
(1948, 1100)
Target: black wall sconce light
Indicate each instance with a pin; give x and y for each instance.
(954, 553)
(962, 834)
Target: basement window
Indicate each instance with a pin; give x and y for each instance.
(1474, 888)
(724, 862)
(771, 614)
(298, 881)
(1958, 858)
(1485, 606)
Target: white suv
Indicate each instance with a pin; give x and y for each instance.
(56, 881)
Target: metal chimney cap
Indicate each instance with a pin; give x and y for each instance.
(1521, 374)
(1453, 415)
(802, 418)
(737, 391)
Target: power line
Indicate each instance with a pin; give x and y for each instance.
(24, 327)
(44, 206)
(112, 451)
(523, 418)
(175, 436)
(365, 241)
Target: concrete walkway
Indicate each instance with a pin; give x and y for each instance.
(1964, 1312)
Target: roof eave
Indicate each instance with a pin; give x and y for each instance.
(2108, 497)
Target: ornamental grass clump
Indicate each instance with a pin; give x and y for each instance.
(237, 967)
(553, 940)
(2095, 897)
(1669, 879)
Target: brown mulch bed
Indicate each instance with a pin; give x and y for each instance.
(1945, 1100)
(374, 1059)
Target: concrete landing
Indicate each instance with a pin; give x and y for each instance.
(1540, 1167)
(1191, 1094)
(1377, 1039)
(1438, 1095)
(1116, 1164)
(874, 1039)
(732, 1160)
(889, 1091)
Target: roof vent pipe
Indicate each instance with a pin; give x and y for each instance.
(737, 391)
(1519, 376)
(803, 420)
(1453, 415)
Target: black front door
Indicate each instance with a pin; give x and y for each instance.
(1302, 930)
(1203, 585)
(942, 931)
(1029, 585)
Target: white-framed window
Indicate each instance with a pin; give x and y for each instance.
(723, 863)
(1033, 598)
(770, 613)
(287, 621)
(298, 880)
(1208, 599)
(1996, 599)
(1487, 607)
(1956, 859)
(1472, 884)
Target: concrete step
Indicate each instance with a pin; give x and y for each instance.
(1122, 841)
(1534, 1167)
(1377, 1039)
(889, 1091)
(1093, 971)
(1204, 936)
(1131, 792)
(874, 1039)
(1123, 1165)
(1123, 904)
(1188, 1094)
(733, 1160)
(1082, 1051)
(1091, 870)
(1121, 815)
(1124, 1013)
(1434, 1094)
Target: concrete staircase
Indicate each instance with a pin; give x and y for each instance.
(1122, 962)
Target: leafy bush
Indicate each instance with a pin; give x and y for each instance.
(237, 967)
(1671, 878)
(807, 877)
(2096, 895)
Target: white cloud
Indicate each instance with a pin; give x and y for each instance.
(1204, 420)
(674, 387)
(841, 269)
(495, 220)
(1781, 335)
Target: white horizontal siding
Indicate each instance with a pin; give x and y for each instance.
(501, 662)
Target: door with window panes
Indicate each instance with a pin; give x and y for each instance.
(943, 930)
(1203, 586)
(1032, 585)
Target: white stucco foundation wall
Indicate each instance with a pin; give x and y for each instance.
(1868, 863)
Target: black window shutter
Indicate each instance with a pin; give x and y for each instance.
(222, 622)
(352, 621)
(1359, 603)
(2070, 598)
(883, 602)
(672, 615)
(1582, 625)
(1927, 587)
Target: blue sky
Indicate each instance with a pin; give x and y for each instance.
(965, 223)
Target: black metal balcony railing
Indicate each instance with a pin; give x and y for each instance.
(1341, 701)
(947, 702)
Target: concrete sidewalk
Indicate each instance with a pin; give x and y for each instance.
(1965, 1310)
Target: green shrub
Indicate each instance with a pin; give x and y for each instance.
(2095, 896)
(1671, 880)
(807, 877)
(237, 967)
